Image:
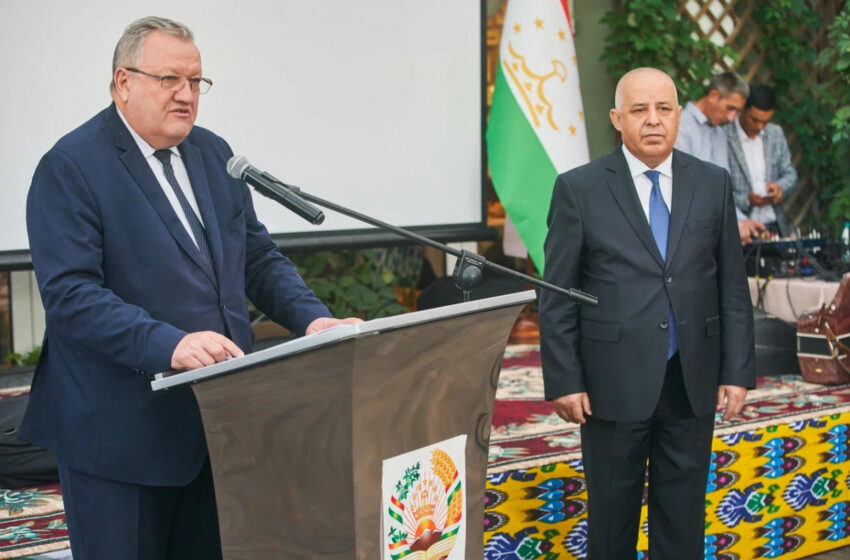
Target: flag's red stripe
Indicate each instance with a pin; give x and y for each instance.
(566, 5)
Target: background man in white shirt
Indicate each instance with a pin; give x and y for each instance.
(759, 158)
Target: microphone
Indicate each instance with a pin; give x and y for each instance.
(265, 184)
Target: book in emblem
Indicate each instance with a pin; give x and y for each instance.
(423, 503)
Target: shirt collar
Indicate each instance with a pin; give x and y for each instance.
(698, 115)
(743, 134)
(637, 167)
(146, 149)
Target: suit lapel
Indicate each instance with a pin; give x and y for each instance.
(738, 152)
(141, 172)
(622, 188)
(203, 196)
(683, 194)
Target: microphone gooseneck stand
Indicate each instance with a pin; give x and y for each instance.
(469, 267)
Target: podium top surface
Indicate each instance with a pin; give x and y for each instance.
(337, 334)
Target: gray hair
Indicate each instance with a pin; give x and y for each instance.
(129, 47)
(728, 83)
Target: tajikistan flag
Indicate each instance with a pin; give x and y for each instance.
(536, 127)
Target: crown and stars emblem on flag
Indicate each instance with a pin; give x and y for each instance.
(536, 126)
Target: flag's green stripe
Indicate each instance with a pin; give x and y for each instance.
(522, 173)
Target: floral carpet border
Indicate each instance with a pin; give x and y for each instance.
(526, 432)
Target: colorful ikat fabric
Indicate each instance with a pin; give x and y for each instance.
(779, 485)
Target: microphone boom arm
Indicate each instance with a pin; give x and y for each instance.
(465, 258)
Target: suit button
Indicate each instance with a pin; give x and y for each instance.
(669, 279)
(222, 307)
(663, 326)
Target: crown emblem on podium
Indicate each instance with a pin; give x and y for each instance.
(426, 510)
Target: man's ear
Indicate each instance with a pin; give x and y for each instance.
(122, 87)
(615, 118)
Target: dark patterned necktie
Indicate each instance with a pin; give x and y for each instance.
(659, 223)
(164, 157)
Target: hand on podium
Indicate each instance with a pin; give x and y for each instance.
(323, 323)
(205, 348)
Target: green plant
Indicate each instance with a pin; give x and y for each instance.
(350, 283)
(654, 33)
(813, 113)
(26, 359)
(835, 95)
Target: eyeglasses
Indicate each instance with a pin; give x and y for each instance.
(176, 83)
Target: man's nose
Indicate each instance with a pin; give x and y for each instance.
(185, 93)
(653, 117)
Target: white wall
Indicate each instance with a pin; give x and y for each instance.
(375, 104)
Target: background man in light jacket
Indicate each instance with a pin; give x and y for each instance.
(759, 158)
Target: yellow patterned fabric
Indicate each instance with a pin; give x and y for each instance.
(775, 492)
(779, 485)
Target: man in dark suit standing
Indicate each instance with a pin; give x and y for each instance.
(672, 336)
(145, 251)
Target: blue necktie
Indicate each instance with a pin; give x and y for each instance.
(164, 157)
(659, 223)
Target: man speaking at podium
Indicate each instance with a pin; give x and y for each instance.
(145, 251)
(672, 335)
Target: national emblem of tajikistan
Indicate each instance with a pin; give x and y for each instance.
(425, 510)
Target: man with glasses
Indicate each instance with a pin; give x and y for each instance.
(145, 252)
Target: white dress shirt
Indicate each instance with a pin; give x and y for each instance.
(179, 172)
(643, 185)
(753, 149)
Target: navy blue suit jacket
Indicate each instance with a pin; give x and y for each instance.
(122, 282)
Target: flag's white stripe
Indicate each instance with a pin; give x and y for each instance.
(537, 55)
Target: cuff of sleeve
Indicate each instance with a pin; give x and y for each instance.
(160, 348)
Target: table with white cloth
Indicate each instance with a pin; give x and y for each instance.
(789, 298)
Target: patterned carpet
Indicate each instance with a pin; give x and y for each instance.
(32, 520)
(779, 485)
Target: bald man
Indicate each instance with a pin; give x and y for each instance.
(652, 232)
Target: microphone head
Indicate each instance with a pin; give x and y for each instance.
(236, 166)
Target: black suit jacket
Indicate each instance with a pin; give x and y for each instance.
(599, 241)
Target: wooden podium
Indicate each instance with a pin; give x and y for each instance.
(297, 433)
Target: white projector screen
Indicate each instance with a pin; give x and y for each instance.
(373, 104)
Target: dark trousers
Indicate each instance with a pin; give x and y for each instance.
(109, 519)
(677, 445)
